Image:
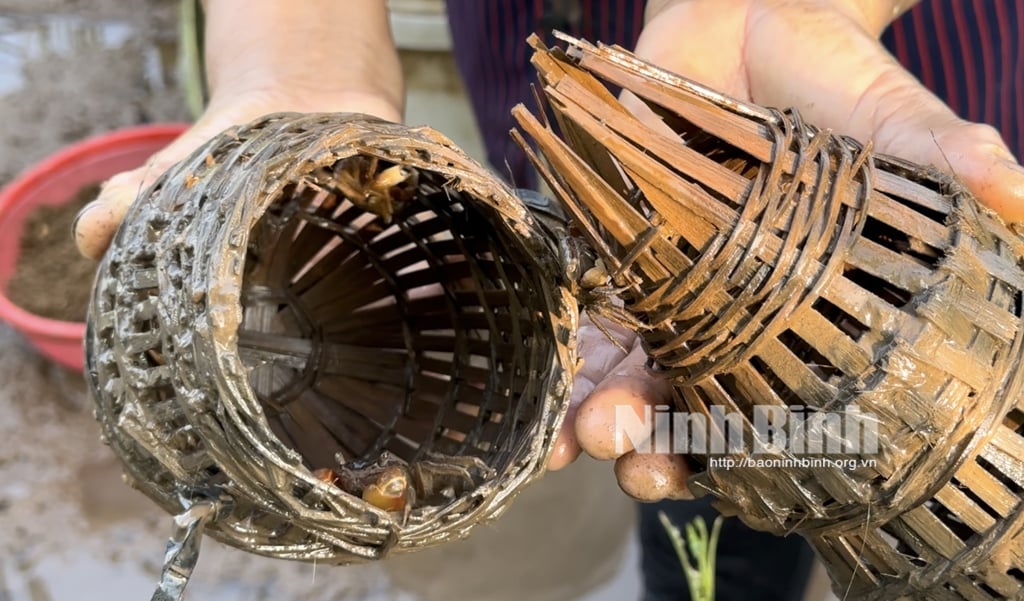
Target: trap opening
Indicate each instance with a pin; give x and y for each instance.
(383, 316)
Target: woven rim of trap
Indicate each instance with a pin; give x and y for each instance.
(922, 324)
(175, 402)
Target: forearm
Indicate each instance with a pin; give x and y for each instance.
(341, 52)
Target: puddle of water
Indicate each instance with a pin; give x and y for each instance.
(73, 575)
(30, 38)
(105, 499)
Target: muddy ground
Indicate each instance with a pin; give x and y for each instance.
(70, 530)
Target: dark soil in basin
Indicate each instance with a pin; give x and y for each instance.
(51, 279)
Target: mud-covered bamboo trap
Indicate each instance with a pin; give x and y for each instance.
(768, 262)
(310, 298)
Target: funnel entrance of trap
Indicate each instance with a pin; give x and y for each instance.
(380, 317)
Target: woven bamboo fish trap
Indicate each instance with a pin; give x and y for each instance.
(767, 262)
(315, 290)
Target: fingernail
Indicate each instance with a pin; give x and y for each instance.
(78, 217)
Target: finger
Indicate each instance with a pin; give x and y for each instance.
(910, 122)
(599, 356)
(653, 477)
(977, 155)
(97, 221)
(567, 448)
(95, 225)
(612, 420)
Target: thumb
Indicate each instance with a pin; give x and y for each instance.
(975, 153)
(851, 84)
(95, 225)
(906, 120)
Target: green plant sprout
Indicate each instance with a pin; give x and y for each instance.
(703, 547)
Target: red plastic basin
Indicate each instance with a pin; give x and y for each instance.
(54, 181)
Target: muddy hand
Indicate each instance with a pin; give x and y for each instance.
(824, 58)
(608, 384)
(96, 223)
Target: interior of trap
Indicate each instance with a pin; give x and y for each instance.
(422, 333)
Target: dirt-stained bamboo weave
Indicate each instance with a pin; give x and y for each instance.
(767, 262)
(309, 290)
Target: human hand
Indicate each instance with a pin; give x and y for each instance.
(607, 381)
(98, 221)
(822, 57)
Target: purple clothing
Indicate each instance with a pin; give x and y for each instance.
(971, 54)
(489, 37)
